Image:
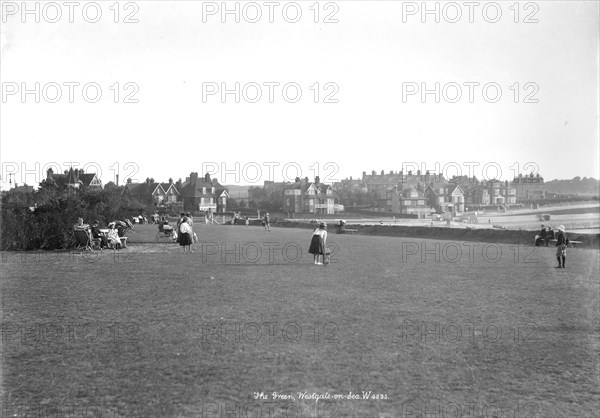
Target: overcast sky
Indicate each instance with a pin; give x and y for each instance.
(370, 57)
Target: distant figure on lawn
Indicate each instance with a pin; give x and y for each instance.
(267, 222)
(544, 236)
(318, 243)
(185, 234)
(561, 246)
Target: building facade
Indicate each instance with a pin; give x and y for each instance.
(529, 187)
(311, 197)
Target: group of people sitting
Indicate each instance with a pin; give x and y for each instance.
(545, 236)
(108, 238)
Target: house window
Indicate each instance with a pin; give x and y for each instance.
(287, 202)
(212, 189)
(204, 190)
(421, 202)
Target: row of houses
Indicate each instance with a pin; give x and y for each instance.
(195, 194)
(314, 197)
(421, 194)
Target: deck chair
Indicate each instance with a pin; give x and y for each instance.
(84, 240)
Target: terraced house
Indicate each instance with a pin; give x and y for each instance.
(311, 197)
(529, 187)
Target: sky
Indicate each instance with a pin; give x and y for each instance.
(360, 69)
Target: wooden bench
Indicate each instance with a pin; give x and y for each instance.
(571, 242)
(349, 231)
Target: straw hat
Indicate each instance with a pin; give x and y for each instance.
(561, 228)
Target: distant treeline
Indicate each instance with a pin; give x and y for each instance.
(581, 186)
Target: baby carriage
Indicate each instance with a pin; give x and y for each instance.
(165, 232)
(123, 227)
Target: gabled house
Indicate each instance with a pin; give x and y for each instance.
(411, 201)
(203, 194)
(445, 197)
(311, 197)
(148, 192)
(74, 178)
(172, 195)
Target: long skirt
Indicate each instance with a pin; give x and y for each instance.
(317, 246)
(185, 239)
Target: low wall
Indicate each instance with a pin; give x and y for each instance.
(451, 234)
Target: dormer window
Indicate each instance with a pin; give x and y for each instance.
(212, 189)
(204, 190)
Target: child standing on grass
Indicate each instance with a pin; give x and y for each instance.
(561, 246)
(318, 243)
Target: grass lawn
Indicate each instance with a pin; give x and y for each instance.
(152, 332)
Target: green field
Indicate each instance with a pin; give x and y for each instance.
(152, 332)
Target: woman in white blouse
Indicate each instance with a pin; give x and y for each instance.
(318, 243)
(185, 234)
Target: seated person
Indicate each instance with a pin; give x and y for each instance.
(97, 234)
(113, 236)
(83, 227)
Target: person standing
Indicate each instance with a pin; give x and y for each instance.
(179, 222)
(267, 222)
(185, 235)
(318, 243)
(561, 246)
